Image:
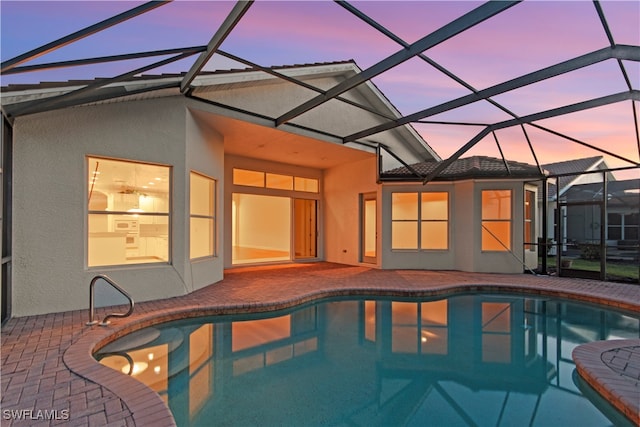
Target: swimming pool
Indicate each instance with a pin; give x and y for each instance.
(477, 359)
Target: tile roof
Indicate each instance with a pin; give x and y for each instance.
(55, 84)
(624, 193)
(470, 167)
(571, 166)
(568, 167)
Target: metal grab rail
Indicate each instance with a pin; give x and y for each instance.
(105, 322)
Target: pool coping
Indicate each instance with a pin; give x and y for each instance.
(147, 408)
(622, 391)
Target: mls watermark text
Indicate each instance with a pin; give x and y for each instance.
(35, 414)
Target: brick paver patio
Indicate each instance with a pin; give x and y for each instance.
(50, 377)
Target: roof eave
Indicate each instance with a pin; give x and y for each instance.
(460, 177)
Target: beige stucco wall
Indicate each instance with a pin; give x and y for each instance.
(342, 188)
(463, 226)
(500, 262)
(414, 259)
(50, 273)
(270, 96)
(205, 155)
(465, 230)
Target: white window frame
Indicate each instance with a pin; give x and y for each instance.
(484, 220)
(419, 221)
(212, 217)
(298, 183)
(92, 177)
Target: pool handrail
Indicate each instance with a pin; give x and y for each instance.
(105, 321)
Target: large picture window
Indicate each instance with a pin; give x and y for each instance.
(128, 212)
(496, 220)
(202, 210)
(420, 220)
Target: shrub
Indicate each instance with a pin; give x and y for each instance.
(590, 251)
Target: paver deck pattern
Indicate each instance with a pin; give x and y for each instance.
(49, 377)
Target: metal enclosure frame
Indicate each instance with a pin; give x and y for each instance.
(98, 90)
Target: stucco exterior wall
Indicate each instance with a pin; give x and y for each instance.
(50, 271)
(416, 259)
(273, 97)
(500, 261)
(342, 188)
(205, 155)
(463, 225)
(465, 230)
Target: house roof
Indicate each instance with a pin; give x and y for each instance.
(571, 166)
(365, 104)
(624, 193)
(620, 194)
(147, 77)
(569, 172)
(465, 168)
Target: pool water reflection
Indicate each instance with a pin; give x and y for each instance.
(482, 360)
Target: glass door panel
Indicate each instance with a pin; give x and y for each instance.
(368, 224)
(261, 228)
(581, 230)
(305, 228)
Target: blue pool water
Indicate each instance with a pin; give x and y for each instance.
(466, 360)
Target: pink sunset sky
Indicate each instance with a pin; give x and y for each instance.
(527, 37)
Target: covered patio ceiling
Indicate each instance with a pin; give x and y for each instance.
(243, 138)
(532, 81)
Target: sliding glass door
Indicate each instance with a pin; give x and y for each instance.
(261, 228)
(273, 228)
(305, 234)
(368, 231)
